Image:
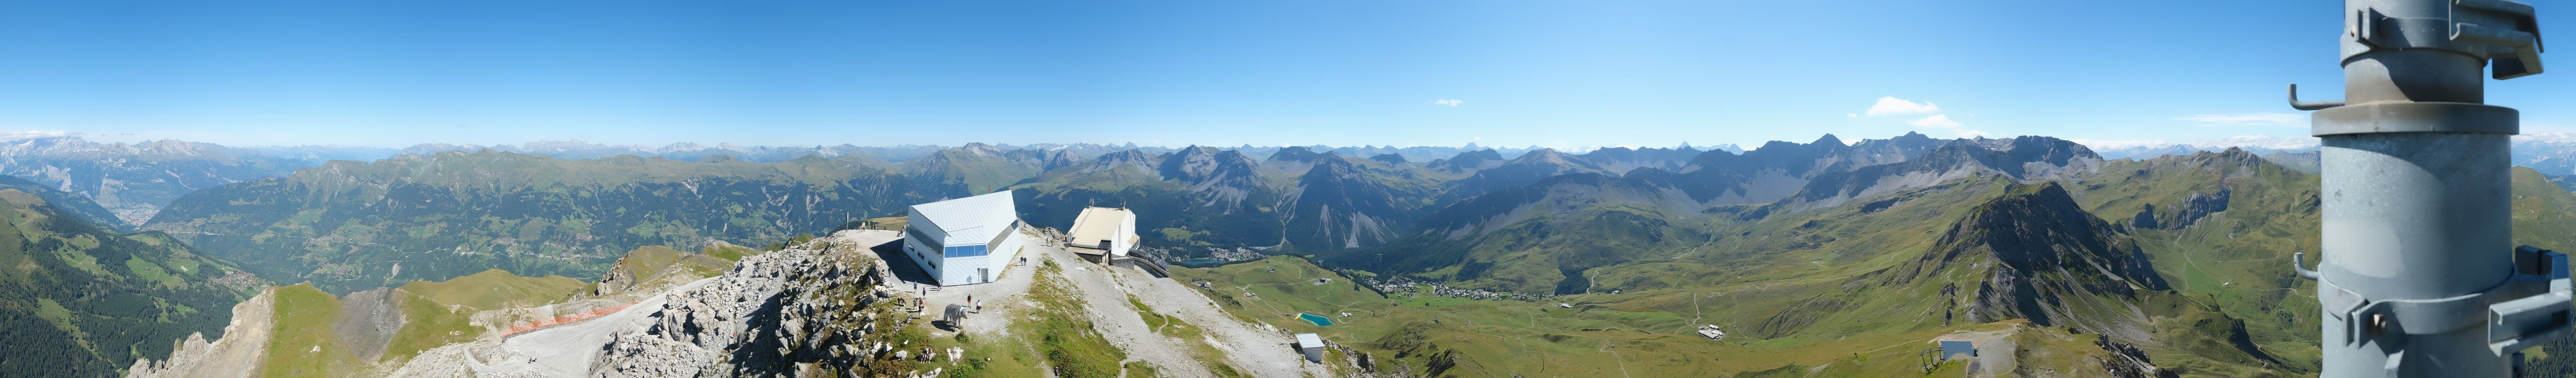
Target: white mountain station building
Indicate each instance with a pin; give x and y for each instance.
(963, 241)
(1103, 231)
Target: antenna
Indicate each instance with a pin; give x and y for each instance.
(2418, 275)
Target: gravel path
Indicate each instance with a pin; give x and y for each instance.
(1255, 349)
(1120, 322)
(567, 350)
(1250, 348)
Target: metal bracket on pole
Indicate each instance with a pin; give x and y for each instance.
(2528, 321)
(2502, 31)
(2531, 307)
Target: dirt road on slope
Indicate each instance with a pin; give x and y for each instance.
(567, 350)
(1119, 322)
(1264, 354)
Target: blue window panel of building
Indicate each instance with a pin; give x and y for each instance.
(968, 250)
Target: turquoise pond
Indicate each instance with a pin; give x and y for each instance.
(1317, 319)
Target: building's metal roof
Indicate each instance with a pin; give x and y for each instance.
(1309, 340)
(1100, 223)
(970, 220)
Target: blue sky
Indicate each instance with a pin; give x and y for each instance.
(1559, 74)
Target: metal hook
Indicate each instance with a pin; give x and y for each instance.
(2309, 105)
(2299, 262)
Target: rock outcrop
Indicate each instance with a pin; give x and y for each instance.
(786, 313)
(237, 355)
(2044, 259)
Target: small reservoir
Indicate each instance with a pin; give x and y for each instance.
(1317, 319)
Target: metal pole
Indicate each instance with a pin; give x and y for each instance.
(2420, 277)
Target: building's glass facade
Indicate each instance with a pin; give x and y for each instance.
(967, 250)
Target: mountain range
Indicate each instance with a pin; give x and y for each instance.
(1809, 243)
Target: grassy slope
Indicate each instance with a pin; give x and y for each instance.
(302, 344)
(2238, 258)
(428, 324)
(496, 289)
(1501, 337)
(1054, 337)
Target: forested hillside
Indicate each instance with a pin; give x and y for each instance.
(83, 300)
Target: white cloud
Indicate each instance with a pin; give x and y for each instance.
(31, 134)
(1448, 102)
(1936, 120)
(2546, 137)
(2248, 119)
(2271, 142)
(1892, 105)
(1851, 115)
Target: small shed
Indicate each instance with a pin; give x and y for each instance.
(1312, 346)
(1952, 349)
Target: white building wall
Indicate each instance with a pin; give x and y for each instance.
(1126, 237)
(921, 256)
(1007, 252)
(961, 270)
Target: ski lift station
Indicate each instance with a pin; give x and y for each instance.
(963, 241)
(1102, 231)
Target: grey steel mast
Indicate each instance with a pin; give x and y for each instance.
(2419, 276)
